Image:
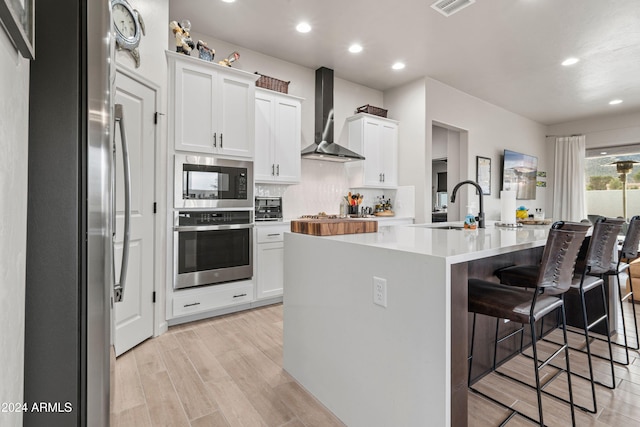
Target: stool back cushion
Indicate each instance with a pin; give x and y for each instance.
(559, 256)
(603, 240)
(632, 239)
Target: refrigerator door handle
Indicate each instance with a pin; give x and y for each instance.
(118, 288)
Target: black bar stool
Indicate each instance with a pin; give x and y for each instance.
(524, 306)
(628, 252)
(589, 276)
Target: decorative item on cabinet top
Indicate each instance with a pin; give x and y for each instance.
(272, 83)
(205, 52)
(233, 57)
(184, 43)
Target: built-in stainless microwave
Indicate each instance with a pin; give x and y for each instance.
(211, 182)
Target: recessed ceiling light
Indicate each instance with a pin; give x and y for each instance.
(303, 27)
(603, 152)
(570, 61)
(228, 1)
(398, 66)
(355, 48)
(615, 102)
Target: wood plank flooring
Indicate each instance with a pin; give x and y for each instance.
(227, 371)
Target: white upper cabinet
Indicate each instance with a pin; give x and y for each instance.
(376, 138)
(211, 107)
(278, 137)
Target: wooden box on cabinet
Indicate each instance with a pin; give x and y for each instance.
(278, 136)
(211, 107)
(376, 138)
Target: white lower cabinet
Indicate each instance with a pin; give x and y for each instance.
(269, 258)
(190, 301)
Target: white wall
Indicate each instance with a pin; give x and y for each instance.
(406, 104)
(14, 114)
(486, 130)
(490, 129)
(323, 183)
(621, 129)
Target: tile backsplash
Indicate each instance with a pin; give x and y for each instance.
(322, 188)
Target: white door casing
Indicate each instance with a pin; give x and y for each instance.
(133, 317)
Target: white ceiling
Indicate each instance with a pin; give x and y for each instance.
(507, 52)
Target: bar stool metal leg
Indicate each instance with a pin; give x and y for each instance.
(585, 322)
(473, 336)
(568, 366)
(624, 322)
(537, 366)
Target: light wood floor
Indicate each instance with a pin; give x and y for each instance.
(227, 371)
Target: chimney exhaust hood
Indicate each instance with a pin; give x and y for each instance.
(324, 148)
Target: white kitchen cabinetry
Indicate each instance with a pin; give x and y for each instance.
(211, 107)
(269, 256)
(196, 300)
(278, 136)
(376, 138)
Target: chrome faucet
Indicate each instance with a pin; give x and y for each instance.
(475, 184)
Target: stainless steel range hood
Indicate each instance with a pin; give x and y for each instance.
(324, 148)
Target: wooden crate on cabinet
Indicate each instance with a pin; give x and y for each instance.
(211, 107)
(278, 137)
(376, 138)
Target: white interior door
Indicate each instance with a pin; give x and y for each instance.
(133, 316)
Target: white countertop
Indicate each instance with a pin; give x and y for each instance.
(453, 245)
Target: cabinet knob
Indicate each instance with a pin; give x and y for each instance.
(215, 139)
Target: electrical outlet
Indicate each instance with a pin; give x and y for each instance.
(380, 291)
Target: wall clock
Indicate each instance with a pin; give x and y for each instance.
(128, 26)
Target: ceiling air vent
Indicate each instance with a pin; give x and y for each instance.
(449, 7)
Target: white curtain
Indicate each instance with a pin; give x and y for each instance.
(569, 184)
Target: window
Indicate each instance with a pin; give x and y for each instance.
(604, 184)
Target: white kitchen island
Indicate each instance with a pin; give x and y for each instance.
(400, 365)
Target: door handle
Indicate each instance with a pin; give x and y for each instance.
(221, 140)
(278, 170)
(273, 169)
(119, 286)
(215, 139)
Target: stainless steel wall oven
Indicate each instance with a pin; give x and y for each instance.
(212, 247)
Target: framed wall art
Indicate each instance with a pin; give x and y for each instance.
(17, 18)
(483, 174)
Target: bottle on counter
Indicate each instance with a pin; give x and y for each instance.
(470, 219)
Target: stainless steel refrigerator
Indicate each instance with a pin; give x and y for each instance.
(68, 285)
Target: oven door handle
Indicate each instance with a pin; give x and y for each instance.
(211, 227)
(118, 287)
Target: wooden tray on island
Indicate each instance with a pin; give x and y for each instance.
(333, 226)
(385, 213)
(535, 221)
